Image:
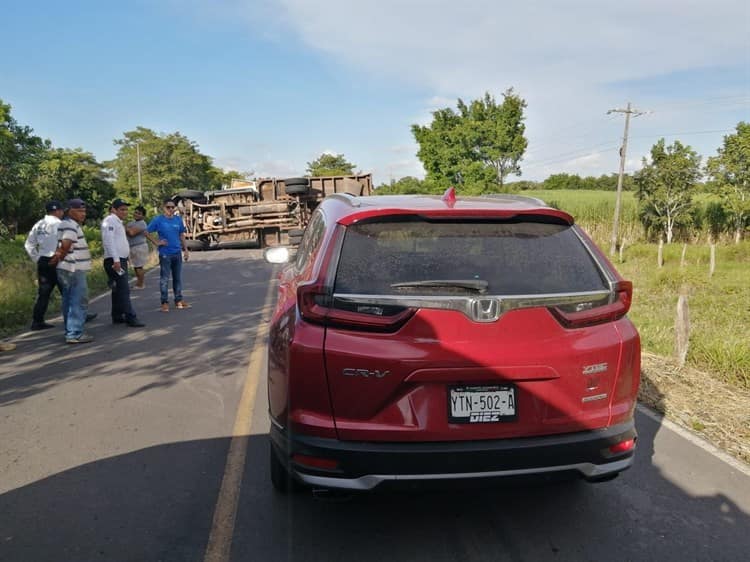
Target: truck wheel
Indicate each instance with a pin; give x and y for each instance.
(238, 244)
(296, 181)
(296, 189)
(190, 194)
(197, 245)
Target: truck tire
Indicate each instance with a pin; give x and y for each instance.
(296, 181)
(190, 194)
(296, 189)
(197, 245)
(237, 244)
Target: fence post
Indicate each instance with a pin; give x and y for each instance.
(660, 255)
(682, 327)
(622, 248)
(682, 257)
(712, 263)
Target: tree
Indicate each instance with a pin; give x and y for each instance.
(405, 185)
(730, 170)
(330, 165)
(477, 146)
(21, 152)
(169, 163)
(664, 186)
(66, 173)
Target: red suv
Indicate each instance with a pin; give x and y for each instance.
(433, 338)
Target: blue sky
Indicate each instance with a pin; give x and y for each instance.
(267, 85)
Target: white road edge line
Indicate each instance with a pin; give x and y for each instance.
(694, 439)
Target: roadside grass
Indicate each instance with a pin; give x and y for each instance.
(18, 284)
(719, 305)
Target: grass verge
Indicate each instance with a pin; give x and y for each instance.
(715, 410)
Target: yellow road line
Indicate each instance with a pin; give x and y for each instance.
(220, 539)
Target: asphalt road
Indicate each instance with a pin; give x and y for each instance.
(118, 450)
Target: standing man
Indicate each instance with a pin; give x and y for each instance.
(116, 252)
(41, 245)
(73, 261)
(172, 249)
(136, 231)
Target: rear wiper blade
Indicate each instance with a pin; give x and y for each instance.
(478, 285)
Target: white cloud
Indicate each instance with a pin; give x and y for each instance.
(567, 59)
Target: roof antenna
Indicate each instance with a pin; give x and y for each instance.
(449, 196)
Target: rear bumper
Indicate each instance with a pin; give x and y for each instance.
(365, 465)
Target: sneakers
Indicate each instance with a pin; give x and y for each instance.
(135, 323)
(42, 326)
(164, 307)
(91, 316)
(182, 304)
(84, 338)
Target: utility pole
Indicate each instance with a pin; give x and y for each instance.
(138, 157)
(623, 150)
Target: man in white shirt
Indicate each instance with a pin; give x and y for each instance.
(116, 253)
(41, 245)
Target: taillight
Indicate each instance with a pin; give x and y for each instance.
(588, 314)
(316, 305)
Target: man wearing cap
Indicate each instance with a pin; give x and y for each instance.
(73, 261)
(41, 245)
(116, 252)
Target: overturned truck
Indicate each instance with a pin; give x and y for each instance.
(260, 213)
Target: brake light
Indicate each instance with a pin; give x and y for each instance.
(598, 314)
(316, 305)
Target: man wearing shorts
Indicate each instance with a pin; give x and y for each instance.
(136, 230)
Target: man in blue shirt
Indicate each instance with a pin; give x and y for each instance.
(172, 249)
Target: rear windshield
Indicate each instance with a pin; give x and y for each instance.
(516, 257)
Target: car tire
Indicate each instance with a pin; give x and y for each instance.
(280, 478)
(601, 479)
(198, 245)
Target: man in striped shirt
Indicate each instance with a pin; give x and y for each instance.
(73, 261)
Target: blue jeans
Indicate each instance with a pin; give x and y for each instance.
(171, 264)
(75, 301)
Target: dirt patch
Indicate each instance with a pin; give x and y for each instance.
(718, 412)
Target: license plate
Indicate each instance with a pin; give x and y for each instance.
(481, 404)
